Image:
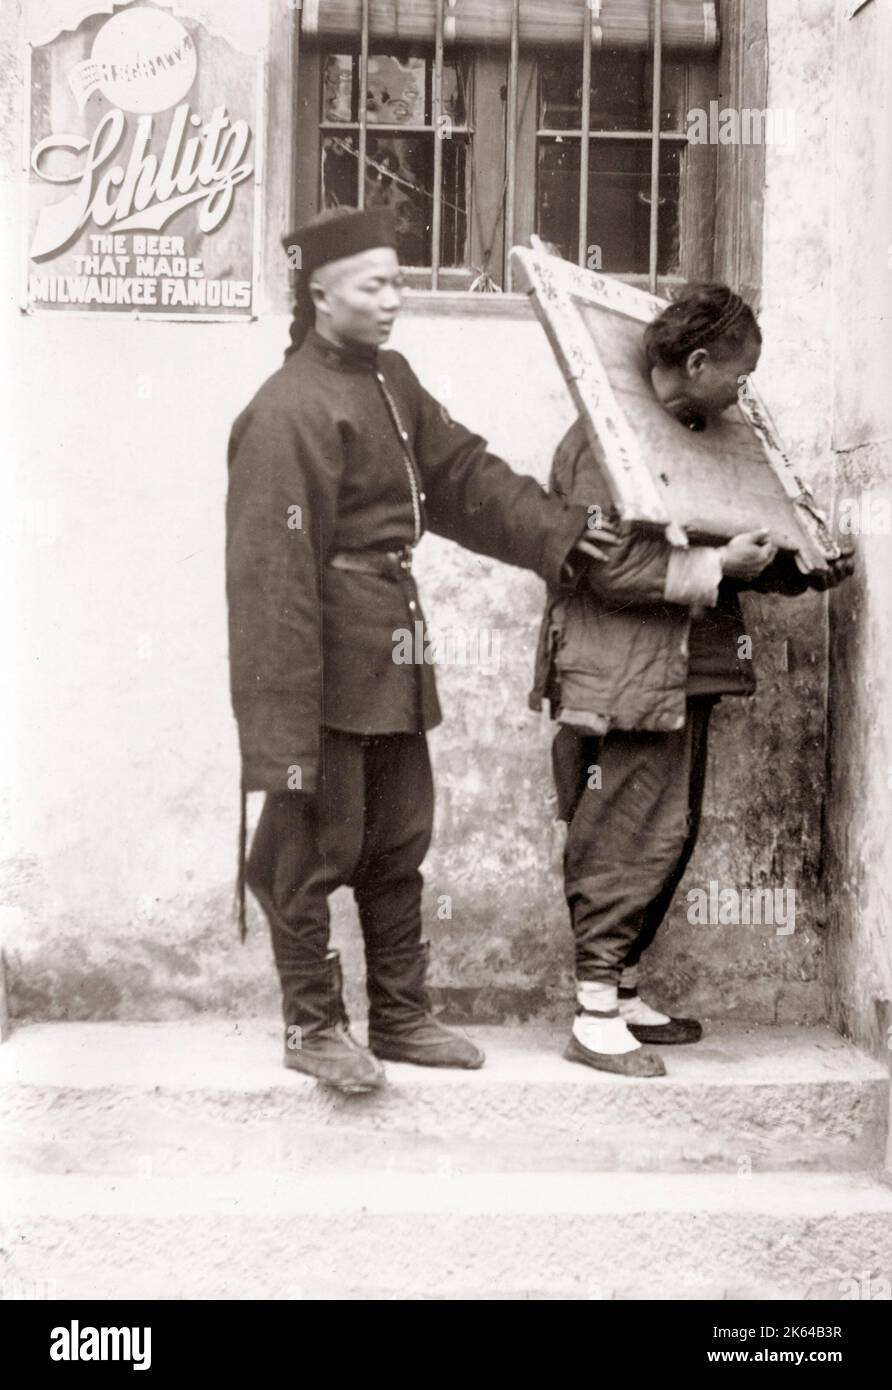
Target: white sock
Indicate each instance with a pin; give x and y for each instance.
(635, 1010)
(609, 1034)
(592, 994)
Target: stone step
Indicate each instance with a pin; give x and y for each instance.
(212, 1097)
(384, 1235)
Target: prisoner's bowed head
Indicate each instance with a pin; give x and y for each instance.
(701, 315)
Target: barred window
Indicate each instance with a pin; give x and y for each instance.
(399, 154)
(467, 118)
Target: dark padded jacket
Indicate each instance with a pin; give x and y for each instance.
(317, 464)
(646, 629)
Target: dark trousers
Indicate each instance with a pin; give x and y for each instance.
(629, 839)
(368, 827)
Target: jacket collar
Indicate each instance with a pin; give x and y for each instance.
(352, 356)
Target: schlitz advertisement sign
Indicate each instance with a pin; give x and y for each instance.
(142, 158)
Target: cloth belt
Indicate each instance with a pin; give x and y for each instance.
(393, 563)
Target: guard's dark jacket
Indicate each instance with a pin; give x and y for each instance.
(319, 463)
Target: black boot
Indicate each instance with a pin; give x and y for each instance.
(401, 1025)
(319, 1042)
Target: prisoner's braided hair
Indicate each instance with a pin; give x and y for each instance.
(704, 315)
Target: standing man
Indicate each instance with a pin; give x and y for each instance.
(632, 664)
(336, 468)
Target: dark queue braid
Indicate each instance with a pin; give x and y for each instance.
(304, 315)
(700, 315)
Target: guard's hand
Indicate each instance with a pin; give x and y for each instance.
(597, 544)
(745, 556)
(839, 570)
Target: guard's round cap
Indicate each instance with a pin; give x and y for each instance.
(340, 232)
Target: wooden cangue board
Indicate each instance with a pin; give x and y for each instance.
(692, 486)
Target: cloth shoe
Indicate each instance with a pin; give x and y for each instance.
(615, 1051)
(647, 1025)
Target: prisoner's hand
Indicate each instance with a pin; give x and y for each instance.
(839, 570)
(746, 555)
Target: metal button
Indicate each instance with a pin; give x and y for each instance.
(380, 376)
(412, 605)
(422, 497)
(403, 434)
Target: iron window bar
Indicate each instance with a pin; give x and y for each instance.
(586, 132)
(363, 112)
(436, 119)
(511, 141)
(655, 144)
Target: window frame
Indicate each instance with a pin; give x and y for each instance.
(722, 188)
